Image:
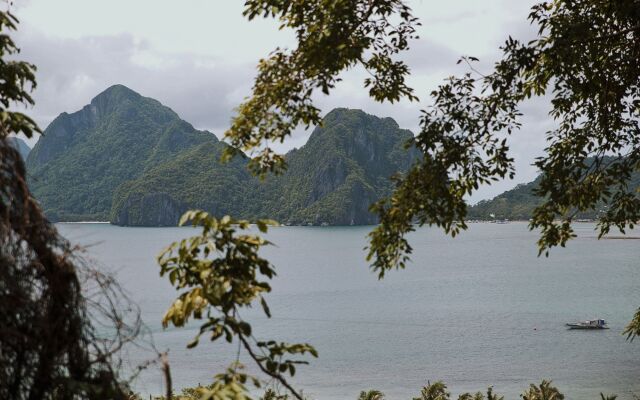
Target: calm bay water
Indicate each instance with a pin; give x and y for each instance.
(481, 309)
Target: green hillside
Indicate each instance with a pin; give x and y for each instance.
(515, 204)
(129, 159)
(193, 179)
(84, 156)
(519, 203)
(343, 168)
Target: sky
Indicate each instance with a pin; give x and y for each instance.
(199, 56)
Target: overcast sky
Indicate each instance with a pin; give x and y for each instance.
(198, 57)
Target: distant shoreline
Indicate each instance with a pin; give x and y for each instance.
(82, 222)
(471, 221)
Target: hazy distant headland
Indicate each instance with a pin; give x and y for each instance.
(21, 146)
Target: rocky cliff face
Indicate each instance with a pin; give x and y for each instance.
(149, 209)
(343, 168)
(195, 179)
(60, 136)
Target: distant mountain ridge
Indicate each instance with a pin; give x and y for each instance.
(129, 159)
(343, 168)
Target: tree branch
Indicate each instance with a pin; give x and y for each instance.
(276, 376)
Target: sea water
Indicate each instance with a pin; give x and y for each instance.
(478, 310)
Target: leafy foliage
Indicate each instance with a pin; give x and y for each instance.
(271, 394)
(221, 272)
(544, 391)
(371, 395)
(18, 79)
(219, 390)
(49, 348)
(584, 57)
(461, 150)
(435, 391)
(432, 391)
(365, 33)
(633, 329)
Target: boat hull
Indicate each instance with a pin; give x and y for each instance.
(576, 326)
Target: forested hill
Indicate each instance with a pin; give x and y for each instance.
(343, 168)
(129, 159)
(519, 203)
(515, 204)
(82, 157)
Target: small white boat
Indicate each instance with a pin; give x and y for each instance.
(589, 324)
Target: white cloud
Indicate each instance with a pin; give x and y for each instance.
(201, 89)
(203, 27)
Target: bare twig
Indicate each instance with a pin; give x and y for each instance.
(275, 376)
(166, 371)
